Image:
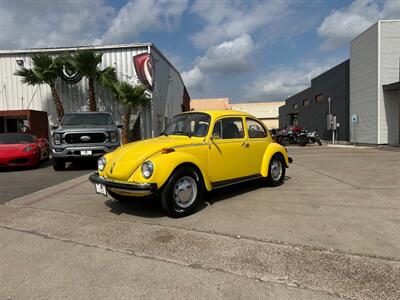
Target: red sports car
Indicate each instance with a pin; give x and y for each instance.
(22, 150)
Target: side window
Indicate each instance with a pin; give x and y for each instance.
(228, 128)
(256, 130)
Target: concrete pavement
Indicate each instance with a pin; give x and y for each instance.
(332, 230)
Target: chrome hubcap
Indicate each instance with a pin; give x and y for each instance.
(185, 191)
(276, 169)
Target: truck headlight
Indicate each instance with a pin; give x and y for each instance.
(101, 163)
(147, 169)
(113, 137)
(57, 139)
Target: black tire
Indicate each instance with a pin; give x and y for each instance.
(184, 177)
(303, 141)
(319, 141)
(273, 179)
(58, 164)
(120, 198)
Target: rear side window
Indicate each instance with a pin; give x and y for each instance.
(256, 130)
(228, 128)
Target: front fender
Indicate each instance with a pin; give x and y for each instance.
(271, 150)
(165, 164)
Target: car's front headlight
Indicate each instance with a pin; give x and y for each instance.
(113, 137)
(101, 163)
(147, 169)
(57, 139)
(28, 149)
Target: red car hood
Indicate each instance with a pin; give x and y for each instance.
(12, 149)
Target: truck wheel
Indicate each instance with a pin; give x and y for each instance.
(183, 192)
(58, 164)
(276, 171)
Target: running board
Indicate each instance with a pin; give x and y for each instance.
(224, 183)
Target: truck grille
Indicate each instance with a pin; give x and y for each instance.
(76, 138)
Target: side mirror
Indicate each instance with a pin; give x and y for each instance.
(120, 126)
(54, 127)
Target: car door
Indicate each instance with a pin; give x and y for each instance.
(229, 152)
(258, 142)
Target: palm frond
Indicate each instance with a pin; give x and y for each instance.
(86, 62)
(28, 76)
(129, 95)
(107, 77)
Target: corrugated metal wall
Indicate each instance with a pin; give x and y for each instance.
(389, 101)
(364, 86)
(166, 101)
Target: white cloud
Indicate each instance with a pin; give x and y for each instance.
(46, 23)
(194, 79)
(285, 81)
(227, 58)
(144, 16)
(343, 25)
(229, 19)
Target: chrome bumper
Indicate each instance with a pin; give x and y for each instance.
(114, 185)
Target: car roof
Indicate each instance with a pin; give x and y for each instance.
(87, 112)
(221, 113)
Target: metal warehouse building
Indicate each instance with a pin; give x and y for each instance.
(135, 63)
(364, 91)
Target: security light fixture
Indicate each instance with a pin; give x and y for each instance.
(19, 62)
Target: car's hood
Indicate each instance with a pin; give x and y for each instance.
(12, 149)
(85, 128)
(123, 162)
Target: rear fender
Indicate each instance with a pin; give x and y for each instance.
(271, 150)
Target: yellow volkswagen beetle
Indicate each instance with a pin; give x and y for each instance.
(198, 151)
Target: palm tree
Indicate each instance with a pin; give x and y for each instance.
(86, 63)
(45, 70)
(131, 97)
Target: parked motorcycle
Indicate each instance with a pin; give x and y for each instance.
(297, 137)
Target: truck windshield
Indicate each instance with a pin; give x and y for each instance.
(190, 124)
(87, 119)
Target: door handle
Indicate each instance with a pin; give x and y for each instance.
(246, 144)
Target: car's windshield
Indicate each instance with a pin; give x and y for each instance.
(87, 119)
(16, 138)
(190, 124)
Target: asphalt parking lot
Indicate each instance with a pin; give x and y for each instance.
(17, 182)
(331, 231)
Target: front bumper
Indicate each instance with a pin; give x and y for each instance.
(72, 152)
(23, 160)
(124, 188)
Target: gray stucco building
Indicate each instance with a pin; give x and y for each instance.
(309, 108)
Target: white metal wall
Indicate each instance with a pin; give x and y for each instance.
(166, 101)
(389, 101)
(364, 86)
(167, 92)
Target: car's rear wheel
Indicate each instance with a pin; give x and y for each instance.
(58, 164)
(276, 170)
(183, 192)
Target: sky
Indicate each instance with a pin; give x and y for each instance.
(246, 50)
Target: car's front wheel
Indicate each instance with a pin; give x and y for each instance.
(276, 170)
(183, 192)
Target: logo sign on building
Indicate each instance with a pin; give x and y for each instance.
(71, 77)
(354, 118)
(144, 69)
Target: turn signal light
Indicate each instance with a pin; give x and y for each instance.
(167, 150)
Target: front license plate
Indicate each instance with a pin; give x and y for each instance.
(101, 189)
(86, 152)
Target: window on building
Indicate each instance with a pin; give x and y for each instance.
(228, 128)
(295, 106)
(319, 98)
(306, 102)
(255, 129)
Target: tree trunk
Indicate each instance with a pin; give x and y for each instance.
(125, 129)
(92, 96)
(57, 102)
